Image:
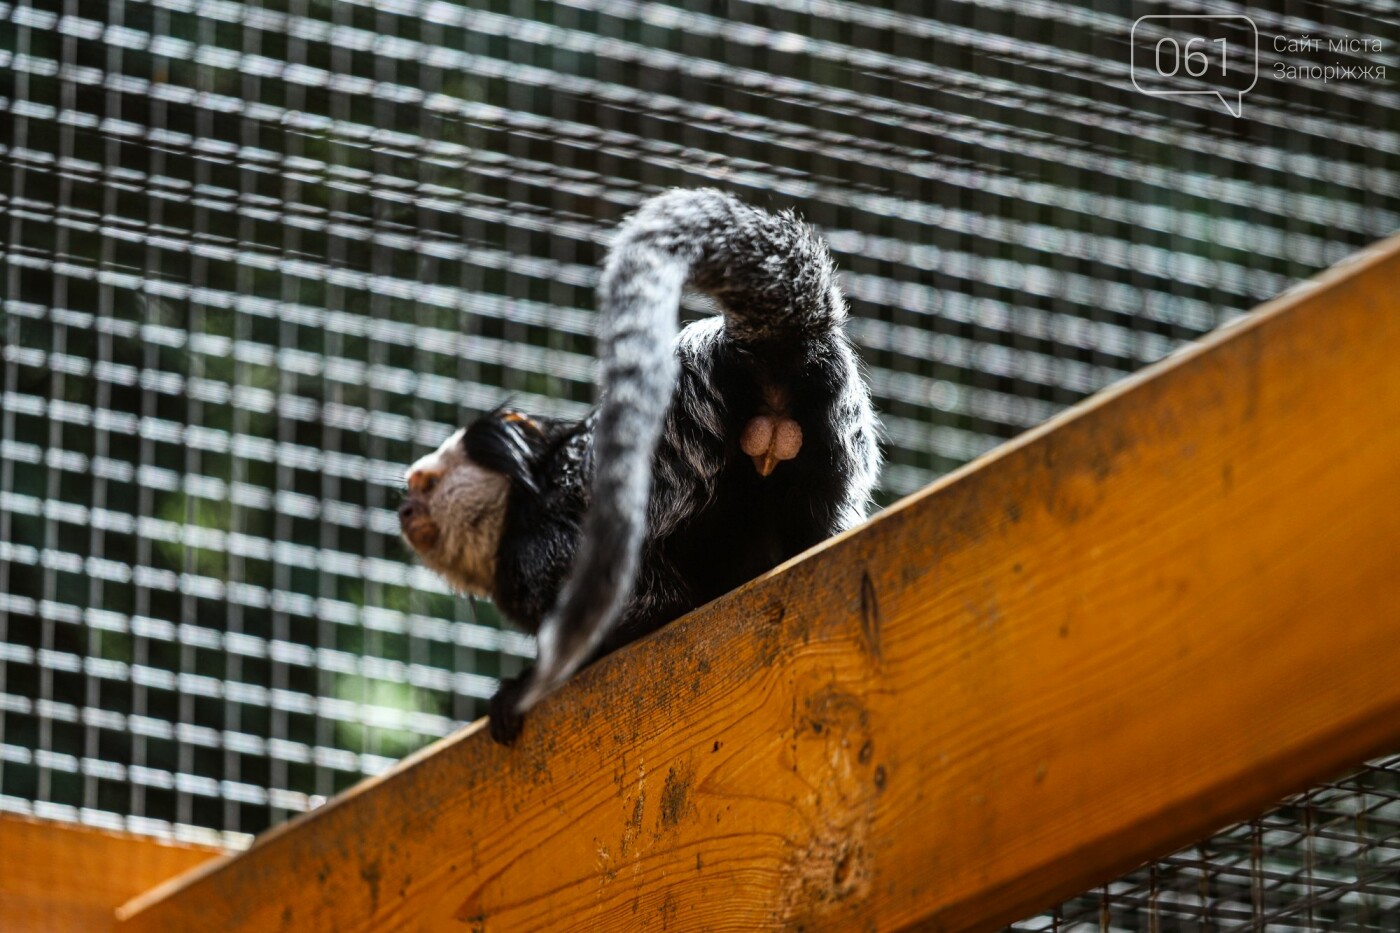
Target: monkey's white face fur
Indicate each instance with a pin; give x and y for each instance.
(454, 514)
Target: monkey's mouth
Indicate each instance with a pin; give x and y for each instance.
(416, 523)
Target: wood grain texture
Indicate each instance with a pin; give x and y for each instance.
(1158, 613)
(62, 878)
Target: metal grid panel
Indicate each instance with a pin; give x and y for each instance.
(1328, 859)
(258, 256)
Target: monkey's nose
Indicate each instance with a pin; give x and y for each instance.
(417, 525)
(422, 481)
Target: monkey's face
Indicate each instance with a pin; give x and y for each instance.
(453, 515)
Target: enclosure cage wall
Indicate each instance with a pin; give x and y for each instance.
(257, 257)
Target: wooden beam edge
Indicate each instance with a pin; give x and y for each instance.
(1100, 861)
(59, 876)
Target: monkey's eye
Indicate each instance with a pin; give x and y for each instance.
(430, 484)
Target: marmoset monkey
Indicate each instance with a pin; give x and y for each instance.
(714, 454)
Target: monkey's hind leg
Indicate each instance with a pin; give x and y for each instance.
(505, 723)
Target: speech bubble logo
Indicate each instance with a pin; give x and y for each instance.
(1213, 54)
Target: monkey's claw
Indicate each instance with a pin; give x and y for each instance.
(504, 722)
(770, 439)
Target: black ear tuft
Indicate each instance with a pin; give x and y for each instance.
(501, 441)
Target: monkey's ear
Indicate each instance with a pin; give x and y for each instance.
(524, 421)
(498, 443)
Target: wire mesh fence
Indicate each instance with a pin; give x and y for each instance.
(259, 256)
(1327, 859)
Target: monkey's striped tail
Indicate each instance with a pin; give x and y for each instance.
(773, 278)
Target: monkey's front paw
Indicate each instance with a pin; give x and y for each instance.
(505, 723)
(769, 439)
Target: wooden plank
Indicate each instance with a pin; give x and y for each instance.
(1160, 612)
(63, 878)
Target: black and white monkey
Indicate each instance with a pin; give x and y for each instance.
(714, 454)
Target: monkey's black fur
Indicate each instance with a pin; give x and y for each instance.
(584, 563)
(753, 524)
